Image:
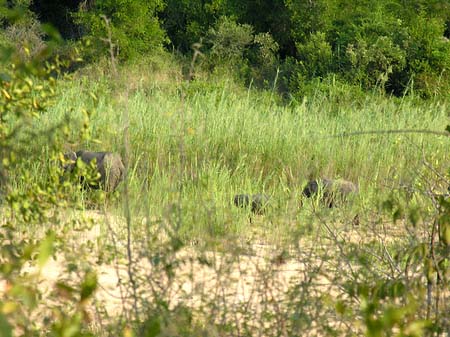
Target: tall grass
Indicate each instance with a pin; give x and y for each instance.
(236, 140)
(192, 147)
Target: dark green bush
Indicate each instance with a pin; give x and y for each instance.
(229, 41)
(186, 22)
(428, 56)
(383, 44)
(396, 46)
(310, 17)
(315, 56)
(134, 25)
(373, 63)
(264, 61)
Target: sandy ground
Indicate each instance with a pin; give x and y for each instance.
(238, 285)
(239, 289)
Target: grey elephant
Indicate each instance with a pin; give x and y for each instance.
(109, 165)
(257, 202)
(332, 191)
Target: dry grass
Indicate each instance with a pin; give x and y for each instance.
(239, 285)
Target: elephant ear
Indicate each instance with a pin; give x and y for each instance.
(70, 158)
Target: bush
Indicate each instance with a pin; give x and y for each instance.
(372, 64)
(186, 22)
(229, 41)
(263, 59)
(381, 44)
(134, 25)
(22, 32)
(27, 89)
(315, 56)
(428, 55)
(27, 38)
(267, 48)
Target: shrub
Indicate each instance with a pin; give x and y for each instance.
(27, 89)
(264, 62)
(134, 25)
(229, 41)
(22, 32)
(372, 64)
(267, 48)
(185, 22)
(315, 55)
(428, 56)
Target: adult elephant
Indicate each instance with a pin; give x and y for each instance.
(109, 165)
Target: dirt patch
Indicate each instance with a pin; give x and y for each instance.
(234, 285)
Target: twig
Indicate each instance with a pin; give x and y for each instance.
(126, 160)
(110, 43)
(196, 47)
(432, 244)
(384, 132)
(116, 265)
(339, 245)
(127, 209)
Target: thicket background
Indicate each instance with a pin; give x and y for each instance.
(392, 45)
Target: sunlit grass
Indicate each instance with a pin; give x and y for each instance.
(193, 146)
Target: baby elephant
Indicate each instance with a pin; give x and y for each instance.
(109, 165)
(257, 202)
(331, 191)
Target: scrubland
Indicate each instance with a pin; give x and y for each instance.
(174, 256)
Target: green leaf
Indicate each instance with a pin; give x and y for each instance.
(340, 307)
(72, 330)
(447, 128)
(429, 269)
(64, 289)
(27, 295)
(417, 328)
(152, 327)
(45, 249)
(52, 32)
(5, 327)
(393, 316)
(445, 233)
(88, 285)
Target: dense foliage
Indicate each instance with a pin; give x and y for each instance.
(392, 45)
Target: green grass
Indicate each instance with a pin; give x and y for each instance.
(192, 146)
(196, 145)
